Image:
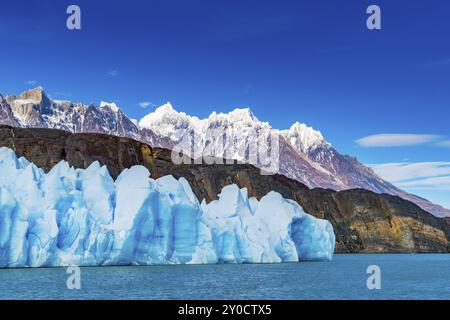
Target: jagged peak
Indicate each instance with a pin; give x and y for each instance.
(242, 112)
(305, 129)
(303, 136)
(237, 115)
(36, 94)
(36, 90)
(167, 112)
(165, 108)
(113, 106)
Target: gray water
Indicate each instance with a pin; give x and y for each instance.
(402, 277)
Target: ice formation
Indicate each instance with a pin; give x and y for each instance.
(83, 217)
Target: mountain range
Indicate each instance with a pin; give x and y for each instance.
(363, 221)
(305, 155)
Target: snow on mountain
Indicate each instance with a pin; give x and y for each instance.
(83, 217)
(112, 106)
(304, 154)
(136, 123)
(231, 136)
(303, 138)
(167, 122)
(34, 109)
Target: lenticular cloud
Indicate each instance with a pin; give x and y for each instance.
(83, 217)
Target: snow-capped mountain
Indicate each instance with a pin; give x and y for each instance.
(242, 130)
(34, 109)
(303, 138)
(304, 153)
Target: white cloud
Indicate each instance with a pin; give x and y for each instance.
(445, 144)
(438, 183)
(113, 73)
(396, 140)
(396, 172)
(419, 175)
(146, 104)
(31, 82)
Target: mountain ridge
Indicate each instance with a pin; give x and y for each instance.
(305, 155)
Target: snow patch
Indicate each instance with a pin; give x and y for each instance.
(110, 105)
(303, 137)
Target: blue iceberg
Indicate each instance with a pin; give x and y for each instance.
(83, 217)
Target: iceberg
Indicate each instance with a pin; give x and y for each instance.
(83, 217)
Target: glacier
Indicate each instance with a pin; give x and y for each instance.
(83, 217)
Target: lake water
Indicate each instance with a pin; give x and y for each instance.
(402, 277)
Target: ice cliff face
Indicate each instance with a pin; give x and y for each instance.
(83, 217)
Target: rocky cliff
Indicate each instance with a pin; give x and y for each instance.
(363, 220)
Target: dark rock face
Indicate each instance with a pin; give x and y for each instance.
(107, 120)
(6, 115)
(363, 221)
(30, 106)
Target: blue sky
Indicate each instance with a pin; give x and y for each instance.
(308, 61)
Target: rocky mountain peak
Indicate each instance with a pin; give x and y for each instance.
(37, 95)
(242, 115)
(303, 137)
(112, 106)
(166, 121)
(239, 116)
(165, 108)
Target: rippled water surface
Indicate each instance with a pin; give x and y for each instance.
(402, 277)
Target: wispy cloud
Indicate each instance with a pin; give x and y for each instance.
(419, 175)
(146, 104)
(113, 73)
(396, 140)
(437, 183)
(445, 144)
(31, 82)
(400, 171)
